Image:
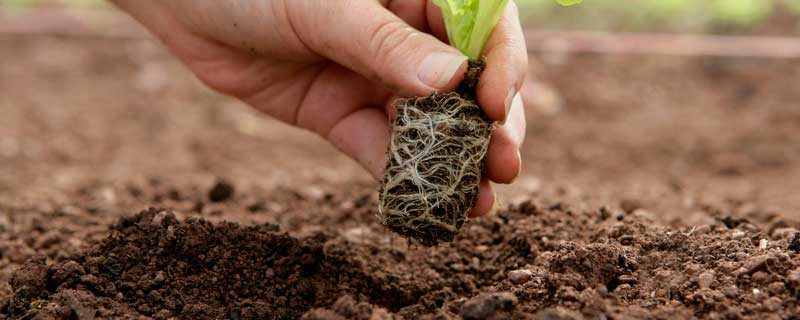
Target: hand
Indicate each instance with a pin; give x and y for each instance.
(334, 67)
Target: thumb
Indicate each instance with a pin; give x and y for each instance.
(364, 36)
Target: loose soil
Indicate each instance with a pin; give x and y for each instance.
(527, 262)
(653, 187)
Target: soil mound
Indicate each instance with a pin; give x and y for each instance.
(155, 266)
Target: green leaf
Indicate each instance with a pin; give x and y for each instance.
(568, 2)
(470, 23)
(742, 12)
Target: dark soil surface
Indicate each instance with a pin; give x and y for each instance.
(653, 187)
(527, 262)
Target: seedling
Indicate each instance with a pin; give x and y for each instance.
(439, 142)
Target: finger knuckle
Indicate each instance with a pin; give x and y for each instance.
(387, 38)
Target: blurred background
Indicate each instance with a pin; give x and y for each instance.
(715, 16)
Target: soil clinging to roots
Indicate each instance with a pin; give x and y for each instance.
(436, 158)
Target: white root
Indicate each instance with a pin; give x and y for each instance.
(436, 158)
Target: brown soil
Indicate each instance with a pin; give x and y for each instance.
(528, 262)
(653, 187)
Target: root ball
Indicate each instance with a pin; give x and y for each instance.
(436, 159)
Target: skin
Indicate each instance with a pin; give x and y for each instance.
(334, 67)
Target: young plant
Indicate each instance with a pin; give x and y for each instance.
(469, 23)
(439, 142)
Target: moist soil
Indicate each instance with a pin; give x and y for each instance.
(526, 262)
(653, 187)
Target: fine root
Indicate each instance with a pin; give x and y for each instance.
(436, 159)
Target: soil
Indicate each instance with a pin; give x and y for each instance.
(652, 187)
(527, 262)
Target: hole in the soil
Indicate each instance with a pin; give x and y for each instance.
(613, 284)
(732, 222)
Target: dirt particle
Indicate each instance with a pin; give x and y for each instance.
(795, 244)
(32, 276)
(161, 216)
(78, 309)
(567, 293)
(784, 234)
(763, 244)
(66, 273)
(520, 276)
(776, 288)
(221, 191)
(488, 306)
(348, 308)
(731, 291)
(627, 240)
(557, 313)
(753, 264)
(705, 279)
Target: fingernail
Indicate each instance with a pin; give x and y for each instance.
(519, 169)
(513, 97)
(439, 68)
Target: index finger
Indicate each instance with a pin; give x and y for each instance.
(506, 66)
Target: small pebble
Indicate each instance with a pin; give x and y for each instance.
(487, 305)
(794, 276)
(776, 288)
(705, 279)
(773, 304)
(160, 217)
(159, 278)
(763, 244)
(731, 291)
(520, 276)
(760, 277)
(754, 264)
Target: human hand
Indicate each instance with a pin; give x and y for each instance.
(335, 67)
